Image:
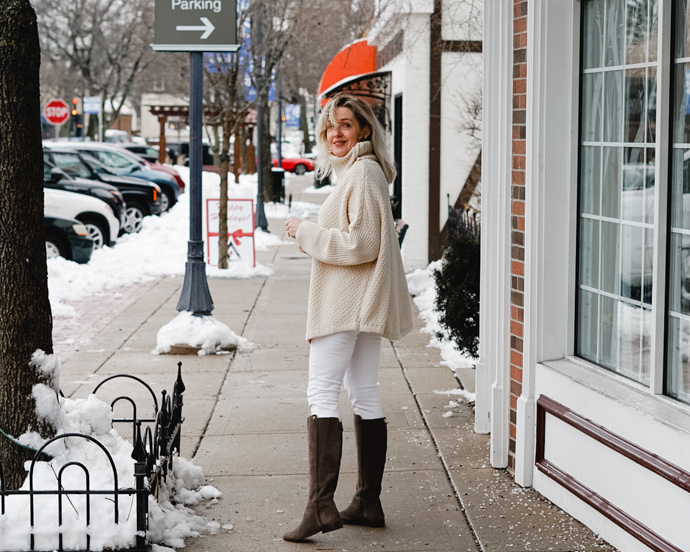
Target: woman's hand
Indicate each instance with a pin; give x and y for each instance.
(291, 226)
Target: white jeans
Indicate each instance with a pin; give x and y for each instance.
(351, 358)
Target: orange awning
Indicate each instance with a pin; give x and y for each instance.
(354, 59)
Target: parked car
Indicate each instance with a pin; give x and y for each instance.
(297, 165)
(122, 162)
(146, 152)
(54, 177)
(67, 238)
(101, 224)
(182, 149)
(142, 198)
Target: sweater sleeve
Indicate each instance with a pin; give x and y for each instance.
(362, 240)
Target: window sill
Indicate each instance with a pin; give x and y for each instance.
(663, 410)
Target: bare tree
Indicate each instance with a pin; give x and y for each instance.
(25, 319)
(104, 43)
(321, 36)
(275, 24)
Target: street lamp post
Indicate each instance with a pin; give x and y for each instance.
(195, 296)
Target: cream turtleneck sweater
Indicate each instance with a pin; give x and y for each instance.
(357, 278)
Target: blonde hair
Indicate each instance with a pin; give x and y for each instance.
(366, 118)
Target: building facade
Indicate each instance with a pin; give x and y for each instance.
(432, 49)
(584, 372)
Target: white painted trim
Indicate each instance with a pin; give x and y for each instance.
(663, 120)
(549, 180)
(493, 384)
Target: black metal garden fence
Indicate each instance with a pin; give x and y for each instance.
(153, 454)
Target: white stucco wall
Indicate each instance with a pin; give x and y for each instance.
(462, 19)
(415, 197)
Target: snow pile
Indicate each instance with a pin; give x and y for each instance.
(421, 284)
(169, 524)
(206, 333)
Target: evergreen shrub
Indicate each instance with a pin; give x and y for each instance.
(457, 291)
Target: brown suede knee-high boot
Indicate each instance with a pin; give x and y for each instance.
(372, 442)
(325, 450)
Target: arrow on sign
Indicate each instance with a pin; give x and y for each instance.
(207, 27)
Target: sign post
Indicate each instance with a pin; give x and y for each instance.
(195, 26)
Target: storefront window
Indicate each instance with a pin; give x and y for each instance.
(617, 182)
(678, 340)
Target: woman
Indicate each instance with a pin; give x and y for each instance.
(358, 294)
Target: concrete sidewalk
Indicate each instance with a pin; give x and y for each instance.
(246, 416)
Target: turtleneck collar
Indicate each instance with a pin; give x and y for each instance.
(342, 164)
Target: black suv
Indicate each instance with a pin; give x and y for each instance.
(142, 198)
(54, 177)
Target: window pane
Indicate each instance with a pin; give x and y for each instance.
(593, 26)
(588, 324)
(613, 101)
(680, 189)
(679, 274)
(635, 104)
(653, 29)
(618, 142)
(590, 177)
(651, 105)
(636, 32)
(681, 104)
(647, 265)
(678, 373)
(649, 184)
(610, 253)
(608, 333)
(589, 253)
(592, 103)
(682, 21)
(611, 183)
(615, 32)
(630, 322)
(632, 275)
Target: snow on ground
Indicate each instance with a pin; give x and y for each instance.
(169, 523)
(160, 249)
(421, 285)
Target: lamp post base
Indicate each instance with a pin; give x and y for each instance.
(195, 296)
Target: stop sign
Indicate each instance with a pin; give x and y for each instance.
(56, 112)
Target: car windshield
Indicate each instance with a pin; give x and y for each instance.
(97, 166)
(48, 172)
(115, 160)
(72, 164)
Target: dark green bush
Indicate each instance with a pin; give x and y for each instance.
(457, 291)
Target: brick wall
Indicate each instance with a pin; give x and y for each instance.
(517, 245)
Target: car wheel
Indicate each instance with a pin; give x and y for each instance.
(96, 232)
(134, 217)
(167, 200)
(55, 248)
(300, 169)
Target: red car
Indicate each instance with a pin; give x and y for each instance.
(297, 165)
